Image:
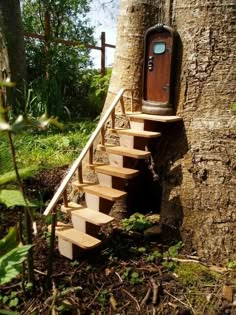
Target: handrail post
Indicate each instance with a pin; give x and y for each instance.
(80, 173)
(122, 104)
(103, 135)
(113, 119)
(65, 199)
(103, 54)
(132, 101)
(91, 155)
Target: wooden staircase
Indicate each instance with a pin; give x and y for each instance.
(99, 198)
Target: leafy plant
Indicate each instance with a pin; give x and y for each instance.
(136, 222)
(231, 264)
(156, 255)
(173, 251)
(103, 298)
(132, 277)
(12, 254)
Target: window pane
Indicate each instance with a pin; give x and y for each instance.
(159, 48)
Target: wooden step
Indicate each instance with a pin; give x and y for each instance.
(93, 216)
(104, 192)
(133, 153)
(80, 186)
(121, 172)
(95, 164)
(140, 116)
(136, 133)
(78, 238)
(72, 206)
(60, 226)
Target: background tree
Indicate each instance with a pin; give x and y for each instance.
(66, 91)
(197, 160)
(12, 61)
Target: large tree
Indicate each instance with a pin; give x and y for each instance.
(12, 62)
(198, 162)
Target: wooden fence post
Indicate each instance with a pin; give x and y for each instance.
(103, 53)
(47, 41)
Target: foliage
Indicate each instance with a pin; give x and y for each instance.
(173, 251)
(12, 198)
(233, 106)
(156, 255)
(67, 143)
(231, 264)
(65, 91)
(136, 222)
(132, 277)
(101, 83)
(12, 254)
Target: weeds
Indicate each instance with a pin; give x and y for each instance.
(136, 222)
(48, 150)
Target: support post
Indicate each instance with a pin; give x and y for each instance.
(102, 135)
(65, 199)
(103, 53)
(91, 155)
(122, 104)
(47, 41)
(80, 173)
(113, 119)
(132, 101)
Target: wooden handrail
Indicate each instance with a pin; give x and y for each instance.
(83, 153)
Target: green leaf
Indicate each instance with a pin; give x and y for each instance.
(11, 263)
(13, 198)
(14, 302)
(5, 312)
(8, 242)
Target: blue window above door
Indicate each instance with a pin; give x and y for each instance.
(159, 48)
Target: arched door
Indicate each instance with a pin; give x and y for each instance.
(158, 70)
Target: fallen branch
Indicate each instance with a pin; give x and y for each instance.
(133, 298)
(146, 297)
(62, 294)
(175, 298)
(96, 295)
(155, 288)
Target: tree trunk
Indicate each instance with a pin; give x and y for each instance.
(199, 185)
(134, 19)
(13, 63)
(197, 158)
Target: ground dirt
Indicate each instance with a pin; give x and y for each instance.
(124, 276)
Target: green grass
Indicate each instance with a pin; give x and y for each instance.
(43, 150)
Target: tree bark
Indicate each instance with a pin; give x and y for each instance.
(196, 158)
(13, 62)
(199, 183)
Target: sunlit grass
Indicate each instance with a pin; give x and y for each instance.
(43, 150)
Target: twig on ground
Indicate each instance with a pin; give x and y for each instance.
(64, 293)
(96, 295)
(175, 298)
(146, 297)
(133, 298)
(155, 288)
(40, 272)
(119, 277)
(190, 305)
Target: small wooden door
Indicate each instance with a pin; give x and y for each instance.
(157, 70)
